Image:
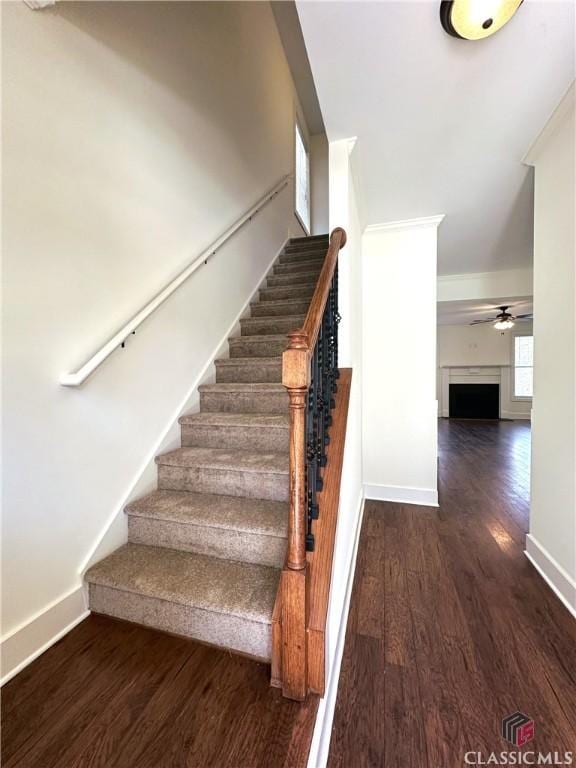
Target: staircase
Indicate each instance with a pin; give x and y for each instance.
(205, 550)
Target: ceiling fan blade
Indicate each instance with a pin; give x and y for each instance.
(477, 322)
(528, 316)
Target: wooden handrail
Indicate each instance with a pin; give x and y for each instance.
(313, 321)
(293, 587)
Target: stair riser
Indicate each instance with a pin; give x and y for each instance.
(298, 267)
(300, 278)
(269, 308)
(223, 630)
(292, 257)
(228, 482)
(247, 346)
(215, 542)
(286, 292)
(244, 402)
(246, 438)
(256, 326)
(249, 374)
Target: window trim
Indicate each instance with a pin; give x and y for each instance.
(513, 396)
(298, 127)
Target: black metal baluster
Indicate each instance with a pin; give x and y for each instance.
(337, 319)
(323, 374)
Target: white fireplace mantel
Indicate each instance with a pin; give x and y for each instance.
(482, 374)
(473, 367)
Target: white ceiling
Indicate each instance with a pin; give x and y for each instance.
(464, 312)
(442, 123)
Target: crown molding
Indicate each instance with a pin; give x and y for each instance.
(424, 221)
(457, 278)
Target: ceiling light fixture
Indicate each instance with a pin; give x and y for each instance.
(476, 19)
(503, 325)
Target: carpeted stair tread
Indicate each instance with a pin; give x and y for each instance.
(258, 370)
(309, 239)
(296, 257)
(281, 308)
(222, 459)
(238, 361)
(244, 590)
(242, 387)
(270, 421)
(257, 516)
(265, 345)
(296, 267)
(251, 431)
(294, 279)
(265, 337)
(271, 324)
(283, 292)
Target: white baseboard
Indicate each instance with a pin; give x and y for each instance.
(29, 640)
(559, 580)
(515, 416)
(320, 746)
(427, 497)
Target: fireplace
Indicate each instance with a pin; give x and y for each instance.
(474, 401)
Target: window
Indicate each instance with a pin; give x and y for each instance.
(523, 365)
(302, 183)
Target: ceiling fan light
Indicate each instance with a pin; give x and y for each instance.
(476, 19)
(503, 325)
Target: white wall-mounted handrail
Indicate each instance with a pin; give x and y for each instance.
(75, 379)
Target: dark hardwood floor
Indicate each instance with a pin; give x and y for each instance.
(450, 627)
(115, 695)
(450, 630)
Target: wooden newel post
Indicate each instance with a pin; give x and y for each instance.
(296, 379)
(296, 557)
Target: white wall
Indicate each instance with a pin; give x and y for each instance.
(344, 213)
(481, 345)
(399, 406)
(134, 134)
(473, 345)
(319, 174)
(552, 540)
(485, 285)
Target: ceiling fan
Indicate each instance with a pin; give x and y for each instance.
(504, 319)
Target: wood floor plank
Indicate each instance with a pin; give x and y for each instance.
(130, 697)
(404, 744)
(77, 715)
(359, 727)
(471, 632)
(38, 675)
(36, 716)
